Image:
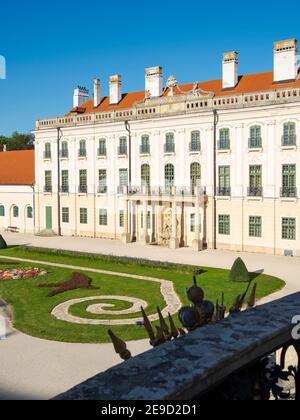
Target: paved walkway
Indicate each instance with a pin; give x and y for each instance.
(40, 369)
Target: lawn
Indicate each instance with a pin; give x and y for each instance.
(32, 309)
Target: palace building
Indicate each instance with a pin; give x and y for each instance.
(206, 165)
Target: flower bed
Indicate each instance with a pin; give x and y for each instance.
(22, 273)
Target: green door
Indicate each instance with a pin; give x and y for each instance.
(49, 218)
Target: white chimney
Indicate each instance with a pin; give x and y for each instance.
(230, 70)
(81, 95)
(154, 81)
(97, 97)
(115, 89)
(285, 60)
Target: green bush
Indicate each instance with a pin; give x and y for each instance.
(3, 244)
(239, 272)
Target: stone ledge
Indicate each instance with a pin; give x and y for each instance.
(191, 365)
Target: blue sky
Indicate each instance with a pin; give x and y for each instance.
(51, 47)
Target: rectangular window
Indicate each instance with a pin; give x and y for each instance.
(195, 145)
(224, 181)
(121, 219)
(48, 181)
(102, 181)
(65, 181)
(83, 181)
(193, 217)
(255, 140)
(2, 211)
(255, 181)
(123, 179)
(16, 211)
(47, 153)
(145, 146)
(102, 147)
(65, 215)
(83, 216)
(148, 220)
(224, 224)
(123, 146)
(103, 217)
(29, 212)
(224, 142)
(289, 228)
(170, 143)
(288, 181)
(255, 226)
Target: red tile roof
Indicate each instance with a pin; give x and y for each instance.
(17, 168)
(249, 83)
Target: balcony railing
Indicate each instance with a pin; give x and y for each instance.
(255, 143)
(48, 188)
(82, 153)
(222, 361)
(64, 154)
(82, 189)
(223, 145)
(64, 189)
(288, 192)
(145, 150)
(195, 147)
(255, 192)
(289, 140)
(169, 148)
(122, 151)
(102, 152)
(102, 189)
(224, 191)
(47, 155)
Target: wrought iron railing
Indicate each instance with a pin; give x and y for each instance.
(288, 192)
(255, 192)
(224, 191)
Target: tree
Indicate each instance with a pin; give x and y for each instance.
(17, 141)
(239, 272)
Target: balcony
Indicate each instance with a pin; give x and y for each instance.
(64, 189)
(169, 148)
(82, 189)
(64, 154)
(255, 192)
(145, 150)
(102, 190)
(224, 191)
(220, 361)
(289, 140)
(48, 189)
(102, 152)
(288, 192)
(82, 153)
(47, 155)
(255, 143)
(122, 151)
(195, 147)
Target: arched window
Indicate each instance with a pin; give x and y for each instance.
(195, 175)
(15, 211)
(64, 150)
(224, 141)
(145, 145)
(289, 134)
(170, 143)
(29, 212)
(255, 140)
(145, 176)
(2, 211)
(102, 147)
(195, 145)
(47, 153)
(82, 148)
(169, 176)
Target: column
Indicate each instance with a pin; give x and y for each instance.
(144, 238)
(174, 241)
(125, 235)
(197, 242)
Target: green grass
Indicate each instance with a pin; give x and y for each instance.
(32, 309)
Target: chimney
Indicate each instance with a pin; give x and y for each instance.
(81, 95)
(97, 97)
(285, 60)
(154, 81)
(230, 70)
(115, 89)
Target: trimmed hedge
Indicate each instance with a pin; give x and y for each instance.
(239, 272)
(3, 244)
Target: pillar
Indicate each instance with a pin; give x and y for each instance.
(197, 242)
(126, 235)
(145, 238)
(174, 241)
